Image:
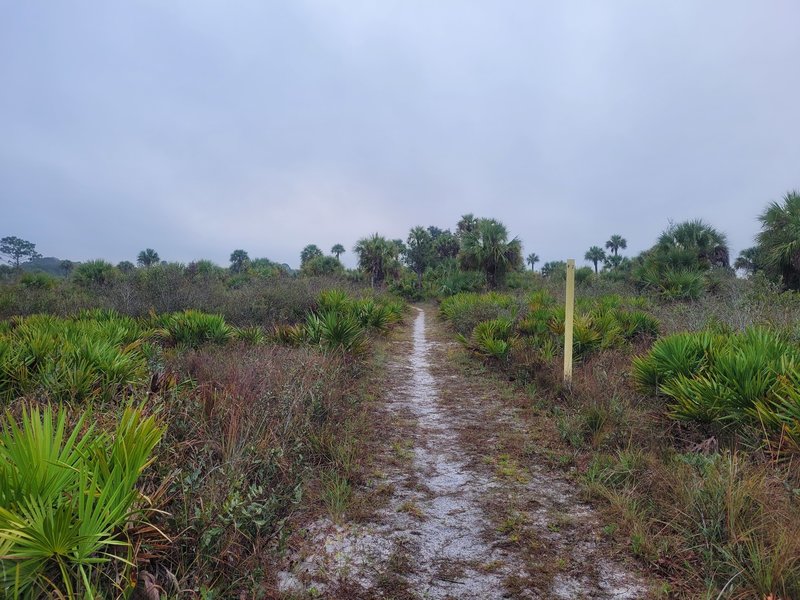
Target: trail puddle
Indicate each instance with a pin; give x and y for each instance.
(435, 538)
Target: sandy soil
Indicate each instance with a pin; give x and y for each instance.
(462, 520)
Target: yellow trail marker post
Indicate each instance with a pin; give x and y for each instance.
(568, 320)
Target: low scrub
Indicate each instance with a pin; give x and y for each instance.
(342, 323)
(465, 310)
(96, 354)
(750, 377)
(538, 323)
(68, 503)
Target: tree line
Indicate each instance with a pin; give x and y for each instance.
(483, 246)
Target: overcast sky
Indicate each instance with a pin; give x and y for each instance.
(199, 127)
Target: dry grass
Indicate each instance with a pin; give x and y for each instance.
(709, 516)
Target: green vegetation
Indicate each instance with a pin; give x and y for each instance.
(68, 501)
(168, 423)
(727, 379)
(500, 325)
(147, 258)
(778, 250)
(16, 249)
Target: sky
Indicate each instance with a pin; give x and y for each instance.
(197, 127)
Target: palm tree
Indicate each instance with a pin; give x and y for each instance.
(419, 252)
(377, 257)
(749, 260)
(532, 259)
(595, 254)
(779, 240)
(706, 244)
(337, 250)
(147, 258)
(466, 224)
(239, 261)
(616, 243)
(487, 248)
(309, 252)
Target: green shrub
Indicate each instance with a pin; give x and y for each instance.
(95, 354)
(491, 338)
(466, 310)
(67, 499)
(745, 377)
(192, 328)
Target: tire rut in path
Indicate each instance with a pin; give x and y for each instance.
(435, 538)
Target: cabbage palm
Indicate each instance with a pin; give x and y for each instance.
(239, 261)
(616, 243)
(487, 248)
(419, 251)
(748, 260)
(779, 239)
(698, 239)
(337, 250)
(148, 257)
(377, 257)
(309, 252)
(595, 254)
(532, 259)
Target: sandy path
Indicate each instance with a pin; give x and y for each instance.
(457, 524)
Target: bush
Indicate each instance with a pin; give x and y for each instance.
(466, 310)
(68, 501)
(735, 378)
(492, 338)
(96, 354)
(192, 328)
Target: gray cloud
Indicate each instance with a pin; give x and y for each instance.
(200, 127)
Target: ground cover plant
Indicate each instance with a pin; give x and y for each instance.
(496, 325)
(68, 502)
(688, 440)
(252, 429)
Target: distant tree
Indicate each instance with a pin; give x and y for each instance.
(16, 249)
(147, 258)
(204, 268)
(487, 248)
(126, 266)
(532, 259)
(554, 268)
(466, 224)
(66, 267)
(612, 261)
(94, 273)
(779, 240)
(322, 265)
(239, 261)
(749, 260)
(582, 275)
(309, 252)
(446, 245)
(377, 257)
(616, 243)
(419, 253)
(435, 232)
(337, 250)
(695, 240)
(595, 254)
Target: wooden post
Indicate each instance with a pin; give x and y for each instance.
(568, 320)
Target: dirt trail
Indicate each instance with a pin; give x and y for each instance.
(461, 521)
